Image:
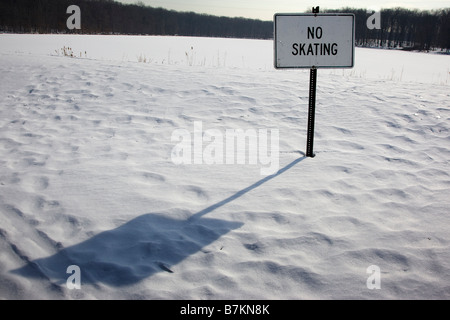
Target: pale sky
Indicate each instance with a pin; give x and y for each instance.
(265, 9)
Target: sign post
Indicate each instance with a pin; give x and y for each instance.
(314, 41)
(312, 104)
(311, 112)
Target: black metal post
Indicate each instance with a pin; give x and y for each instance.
(311, 112)
(312, 106)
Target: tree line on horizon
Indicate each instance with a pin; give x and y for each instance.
(403, 28)
(400, 28)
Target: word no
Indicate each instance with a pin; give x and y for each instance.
(314, 49)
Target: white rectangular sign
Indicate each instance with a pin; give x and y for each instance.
(314, 40)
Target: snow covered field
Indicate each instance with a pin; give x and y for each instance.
(88, 177)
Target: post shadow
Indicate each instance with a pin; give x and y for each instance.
(245, 190)
(145, 245)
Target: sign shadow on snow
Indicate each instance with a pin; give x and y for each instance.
(147, 244)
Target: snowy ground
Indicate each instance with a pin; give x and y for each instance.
(87, 176)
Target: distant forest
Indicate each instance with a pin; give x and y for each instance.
(400, 28)
(404, 28)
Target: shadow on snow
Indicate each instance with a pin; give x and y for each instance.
(148, 244)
